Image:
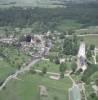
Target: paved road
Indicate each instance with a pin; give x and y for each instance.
(22, 70)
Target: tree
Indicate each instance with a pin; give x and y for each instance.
(62, 67)
(89, 54)
(92, 47)
(70, 46)
(74, 66)
(96, 82)
(62, 75)
(62, 36)
(67, 46)
(32, 71)
(44, 70)
(56, 98)
(70, 31)
(57, 60)
(93, 96)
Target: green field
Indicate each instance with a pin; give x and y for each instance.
(28, 88)
(51, 67)
(88, 30)
(66, 25)
(91, 40)
(5, 70)
(97, 57)
(11, 60)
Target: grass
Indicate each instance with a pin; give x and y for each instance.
(97, 57)
(5, 70)
(14, 57)
(11, 61)
(88, 30)
(51, 67)
(67, 25)
(27, 88)
(89, 90)
(91, 40)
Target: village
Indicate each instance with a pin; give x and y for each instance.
(48, 58)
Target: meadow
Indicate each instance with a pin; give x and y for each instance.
(27, 88)
(91, 40)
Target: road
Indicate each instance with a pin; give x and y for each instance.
(22, 70)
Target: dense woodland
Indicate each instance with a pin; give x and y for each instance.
(43, 19)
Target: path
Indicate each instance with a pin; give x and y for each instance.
(22, 70)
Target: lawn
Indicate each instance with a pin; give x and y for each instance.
(51, 67)
(27, 88)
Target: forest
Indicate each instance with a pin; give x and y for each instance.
(43, 19)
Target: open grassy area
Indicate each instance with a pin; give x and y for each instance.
(5, 70)
(68, 25)
(51, 67)
(91, 40)
(28, 88)
(10, 61)
(97, 57)
(88, 30)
